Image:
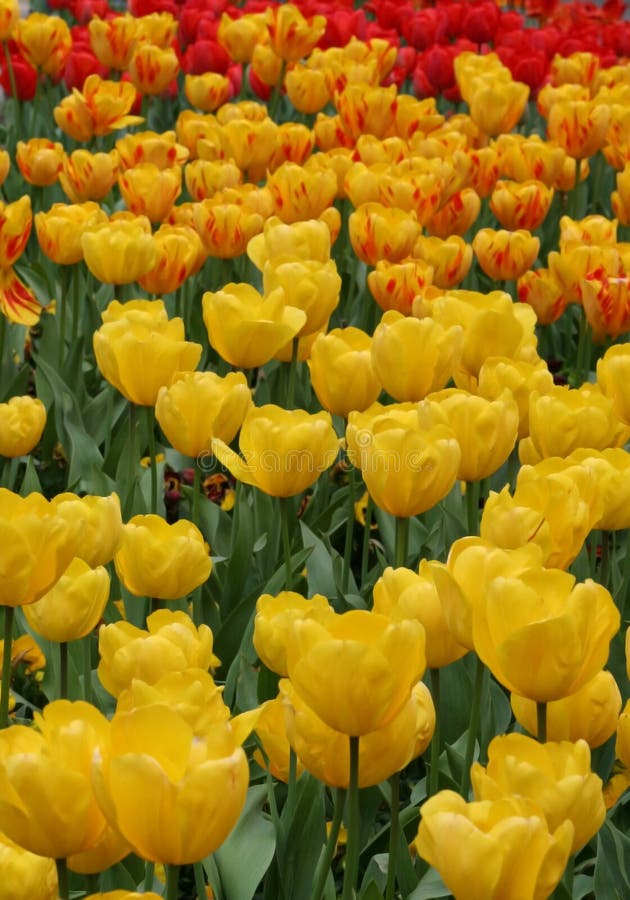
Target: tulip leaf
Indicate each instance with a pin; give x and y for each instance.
(612, 864)
(302, 838)
(431, 886)
(320, 576)
(252, 840)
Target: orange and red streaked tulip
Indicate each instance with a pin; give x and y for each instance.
(505, 255)
(152, 68)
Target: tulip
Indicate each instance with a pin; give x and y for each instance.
(613, 377)
(247, 328)
(112, 40)
(472, 564)
(9, 14)
(17, 301)
(225, 228)
(251, 144)
(179, 254)
(413, 188)
(207, 91)
(606, 304)
(153, 774)
(570, 268)
(284, 451)
(240, 36)
(526, 157)
(478, 848)
(610, 470)
(505, 255)
(579, 126)
(366, 110)
(486, 430)
(150, 147)
(450, 259)
(88, 176)
(266, 65)
(16, 220)
(299, 193)
(590, 230)
(45, 41)
(276, 755)
(73, 607)
(152, 68)
(24, 875)
(204, 178)
(171, 643)
(149, 191)
(379, 232)
(556, 776)
(457, 215)
(589, 715)
(275, 617)
(159, 28)
(522, 378)
(292, 36)
(395, 285)
(47, 804)
(406, 469)
(306, 89)
(59, 230)
(377, 663)
(139, 353)
(312, 286)
(192, 693)
(324, 752)
(498, 107)
(342, 372)
(404, 373)
(543, 292)
(118, 252)
(521, 204)
(95, 523)
(39, 160)
(22, 422)
(99, 108)
(198, 406)
(620, 199)
(544, 615)
(309, 240)
(162, 561)
(403, 594)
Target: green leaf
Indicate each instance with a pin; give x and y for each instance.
(612, 864)
(245, 856)
(303, 836)
(431, 887)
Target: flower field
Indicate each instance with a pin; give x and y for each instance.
(314, 479)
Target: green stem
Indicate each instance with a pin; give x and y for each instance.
(472, 507)
(200, 881)
(347, 549)
(286, 542)
(354, 825)
(9, 612)
(435, 740)
(365, 548)
(134, 453)
(277, 92)
(604, 567)
(394, 832)
(87, 668)
(172, 882)
(63, 670)
(149, 872)
(194, 511)
(541, 722)
(62, 879)
(402, 541)
(473, 726)
(328, 852)
(292, 784)
(64, 290)
(150, 417)
(292, 373)
(76, 303)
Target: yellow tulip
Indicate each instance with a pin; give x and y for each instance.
(325, 753)
(275, 616)
(45, 41)
(450, 258)
(24, 875)
(284, 451)
(544, 615)
(404, 594)
(498, 107)
(59, 230)
(579, 126)
(613, 377)
(555, 776)
(311, 286)
(150, 147)
(22, 422)
(47, 804)
(275, 756)
(292, 35)
(247, 328)
(171, 643)
(207, 91)
(9, 14)
(342, 371)
(544, 293)
(404, 373)
(407, 469)
(152, 68)
(610, 469)
(39, 160)
(505, 255)
(198, 406)
(495, 850)
(139, 350)
(590, 714)
(380, 232)
(525, 157)
(521, 378)
(204, 177)
(162, 561)
(521, 204)
(299, 193)
(73, 607)
(112, 40)
(395, 285)
(356, 670)
(303, 240)
(96, 524)
(150, 191)
(118, 252)
(174, 795)
(486, 430)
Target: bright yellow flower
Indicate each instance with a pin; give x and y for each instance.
(342, 372)
(22, 421)
(45, 41)
(73, 607)
(60, 228)
(152, 68)
(120, 251)
(275, 617)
